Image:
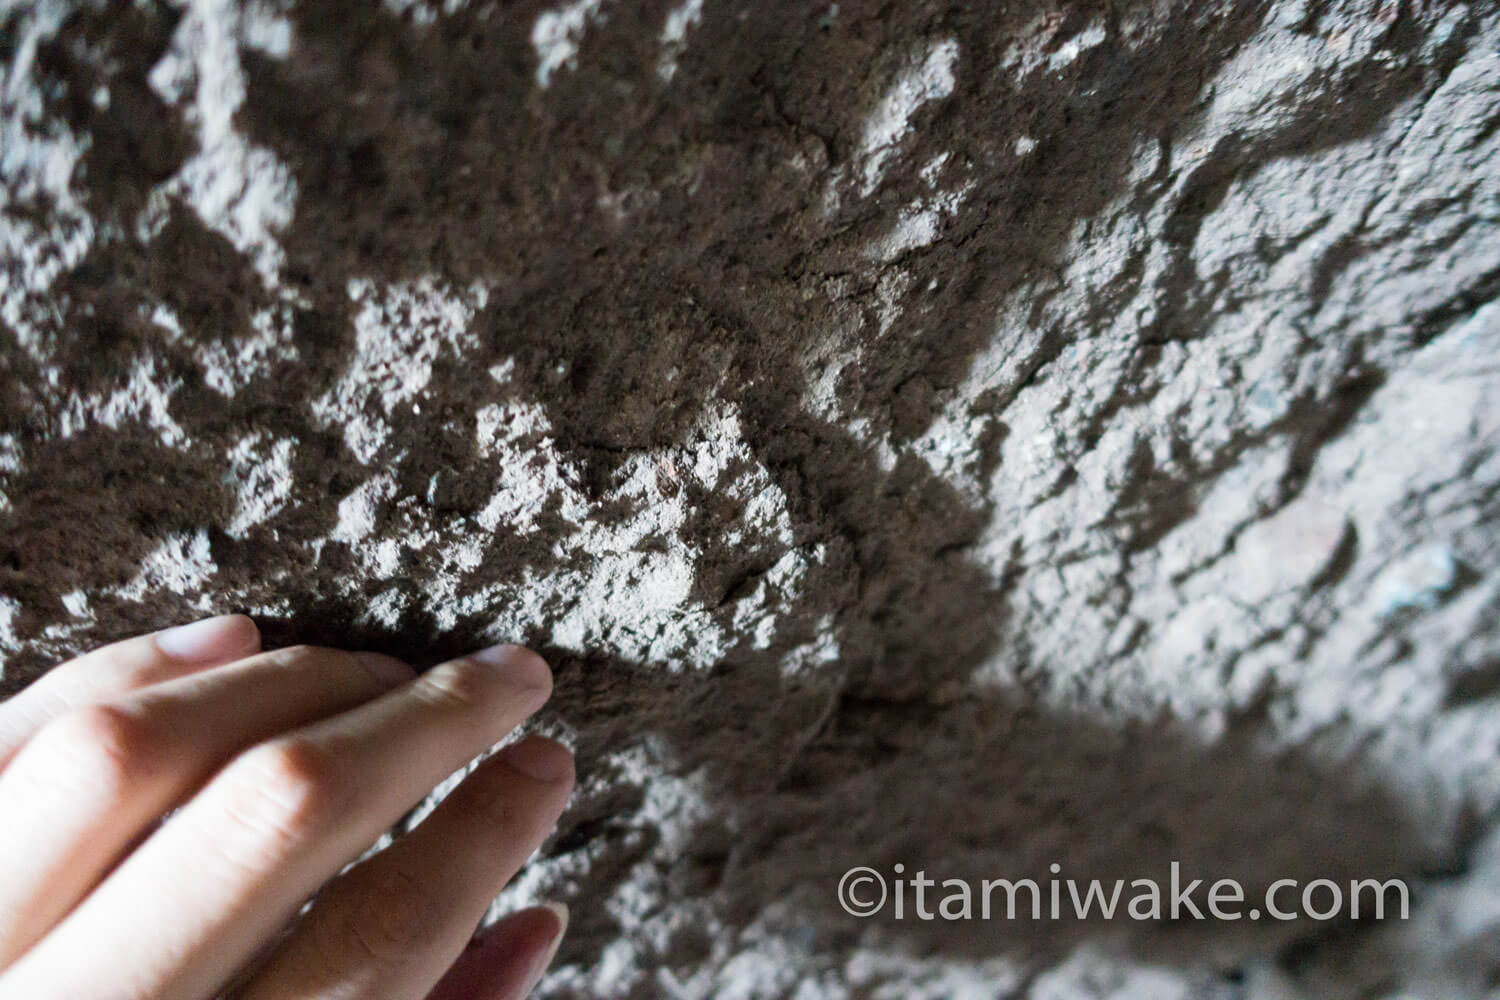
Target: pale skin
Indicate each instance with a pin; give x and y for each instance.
(274, 771)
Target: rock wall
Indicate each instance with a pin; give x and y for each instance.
(975, 436)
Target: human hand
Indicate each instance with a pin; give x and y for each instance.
(282, 767)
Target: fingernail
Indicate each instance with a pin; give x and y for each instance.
(538, 758)
(539, 968)
(211, 638)
(386, 669)
(522, 667)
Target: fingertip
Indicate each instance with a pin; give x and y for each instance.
(543, 961)
(523, 668)
(507, 960)
(246, 631)
(540, 759)
(561, 913)
(223, 637)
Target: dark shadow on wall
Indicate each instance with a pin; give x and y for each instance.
(630, 229)
(993, 787)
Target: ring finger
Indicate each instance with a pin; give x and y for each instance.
(388, 928)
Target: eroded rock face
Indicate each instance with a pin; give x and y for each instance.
(972, 436)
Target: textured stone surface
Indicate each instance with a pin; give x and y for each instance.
(976, 436)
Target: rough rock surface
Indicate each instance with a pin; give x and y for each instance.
(979, 436)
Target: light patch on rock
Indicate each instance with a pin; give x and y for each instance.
(38, 158)
(1092, 971)
(10, 608)
(1038, 46)
(385, 609)
(145, 396)
(918, 224)
(1416, 582)
(632, 601)
(230, 365)
(76, 603)
(1068, 51)
(183, 561)
(260, 471)
(886, 975)
(519, 435)
(10, 453)
(239, 190)
(358, 513)
(401, 330)
(931, 78)
(424, 12)
(557, 34)
(952, 447)
(680, 21)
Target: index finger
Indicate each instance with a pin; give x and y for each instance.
(120, 668)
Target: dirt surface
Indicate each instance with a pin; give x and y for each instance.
(973, 436)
